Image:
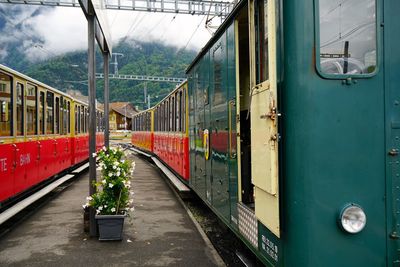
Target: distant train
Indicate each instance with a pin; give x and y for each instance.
(42, 132)
(289, 127)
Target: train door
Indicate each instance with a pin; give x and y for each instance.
(232, 183)
(220, 104)
(6, 136)
(242, 118)
(392, 84)
(200, 131)
(30, 157)
(20, 178)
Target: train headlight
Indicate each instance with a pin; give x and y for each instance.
(353, 218)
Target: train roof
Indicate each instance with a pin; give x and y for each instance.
(218, 33)
(11, 71)
(162, 100)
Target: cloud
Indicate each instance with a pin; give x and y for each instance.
(45, 32)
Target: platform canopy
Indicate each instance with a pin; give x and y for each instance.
(102, 29)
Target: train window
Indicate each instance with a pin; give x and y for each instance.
(65, 117)
(262, 41)
(178, 111)
(41, 113)
(5, 105)
(57, 120)
(78, 119)
(155, 120)
(182, 110)
(31, 110)
(166, 116)
(347, 37)
(148, 121)
(62, 115)
(173, 115)
(82, 120)
(20, 109)
(218, 96)
(69, 117)
(162, 116)
(50, 113)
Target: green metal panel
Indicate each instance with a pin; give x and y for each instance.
(392, 86)
(199, 128)
(219, 127)
(333, 154)
(192, 129)
(231, 84)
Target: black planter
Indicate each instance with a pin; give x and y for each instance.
(110, 227)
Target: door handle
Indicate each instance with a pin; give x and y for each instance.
(15, 156)
(39, 146)
(393, 152)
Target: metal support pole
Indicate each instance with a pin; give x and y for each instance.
(106, 100)
(92, 117)
(145, 95)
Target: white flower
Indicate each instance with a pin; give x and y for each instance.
(132, 209)
(97, 211)
(89, 198)
(114, 167)
(100, 208)
(122, 161)
(84, 206)
(112, 209)
(105, 206)
(118, 173)
(105, 167)
(104, 181)
(130, 201)
(94, 155)
(104, 148)
(110, 185)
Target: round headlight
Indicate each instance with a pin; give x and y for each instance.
(353, 218)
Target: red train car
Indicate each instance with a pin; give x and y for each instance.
(163, 131)
(43, 132)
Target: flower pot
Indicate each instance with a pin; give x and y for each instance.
(110, 227)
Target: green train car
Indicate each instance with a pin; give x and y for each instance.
(294, 130)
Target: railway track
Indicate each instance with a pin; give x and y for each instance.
(230, 248)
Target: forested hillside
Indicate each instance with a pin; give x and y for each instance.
(70, 70)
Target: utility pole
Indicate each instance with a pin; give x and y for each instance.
(115, 63)
(145, 94)
(148, 101)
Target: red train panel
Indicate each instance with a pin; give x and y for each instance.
(25, 164)
(173, 149)
(143, 140)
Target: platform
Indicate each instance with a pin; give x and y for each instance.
(160, 232)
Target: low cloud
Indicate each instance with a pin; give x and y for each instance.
(44, 32)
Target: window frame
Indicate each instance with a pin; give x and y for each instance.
(317, 43)
(22, 122)
(42, 101)
(11, 103)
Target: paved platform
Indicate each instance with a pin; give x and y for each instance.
(160, 233)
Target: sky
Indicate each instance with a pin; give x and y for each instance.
(64, 29)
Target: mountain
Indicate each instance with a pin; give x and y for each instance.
(69, 71)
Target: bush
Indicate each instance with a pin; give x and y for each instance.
(113, 195)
